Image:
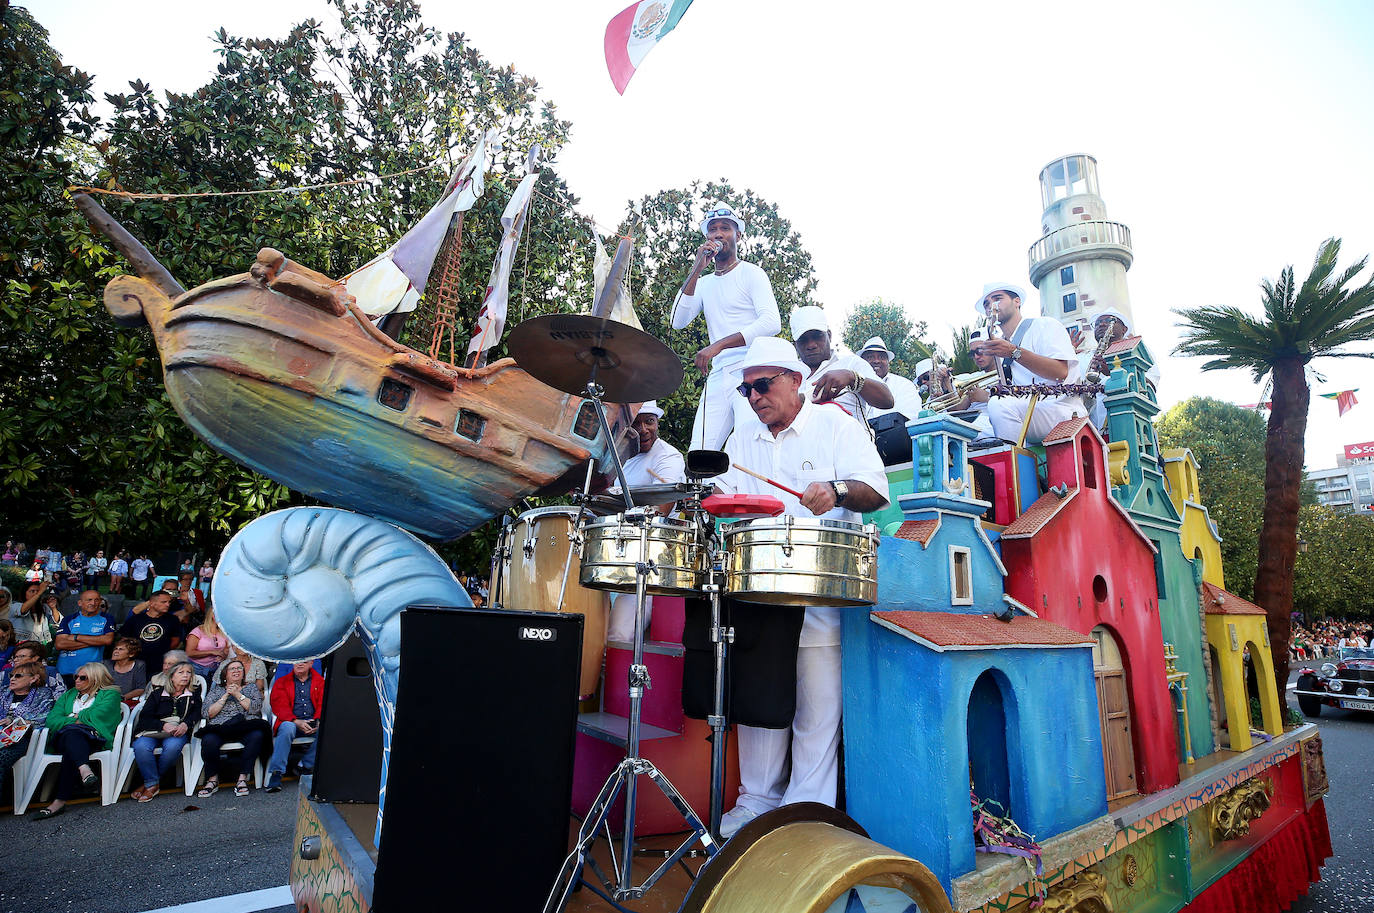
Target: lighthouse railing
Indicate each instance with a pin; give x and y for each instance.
(1096, 233)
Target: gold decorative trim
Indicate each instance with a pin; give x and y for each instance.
(1086, 893)
(1232, 813)
(1130, 870)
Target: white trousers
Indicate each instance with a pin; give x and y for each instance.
(1007, 413)
(814, 740)
(720, 403)
(621, 627)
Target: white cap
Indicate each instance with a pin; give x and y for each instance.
(975, 334)
(808, 318)
(876, 344)
(991, 287)
(771, 352)
(922, 367)
(721, 211)
(1112, 312)
(651, 408)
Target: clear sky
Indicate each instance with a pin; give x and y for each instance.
(904, 140)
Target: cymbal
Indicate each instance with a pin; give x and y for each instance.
(643, 496)
(566, 351)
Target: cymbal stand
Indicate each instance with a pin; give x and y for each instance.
(626, 775)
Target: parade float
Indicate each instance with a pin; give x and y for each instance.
(1048, 699)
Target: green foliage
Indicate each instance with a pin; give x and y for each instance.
(1331, 579)
(90, 448)
(889, 320)
(1228, 442)
(667, 241)
(961, 357)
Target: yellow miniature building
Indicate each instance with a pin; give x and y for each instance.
(1201, 542)
(1235, 626)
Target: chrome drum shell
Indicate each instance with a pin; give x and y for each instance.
(611, 550)
(802, 561)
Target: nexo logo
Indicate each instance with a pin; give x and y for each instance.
(538, 634)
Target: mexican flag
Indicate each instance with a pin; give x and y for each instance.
(634, 32)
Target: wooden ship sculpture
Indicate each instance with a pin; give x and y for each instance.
(278, 369)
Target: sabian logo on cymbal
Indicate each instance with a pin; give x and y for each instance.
(581, 334)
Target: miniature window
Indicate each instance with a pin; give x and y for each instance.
(1070, 302)
(1159, 568)
(1066, 275)
(1089, 467)
(470, 425)
(394, 394)
(586, 426)
(961, 576)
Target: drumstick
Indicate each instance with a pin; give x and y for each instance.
(763, 478)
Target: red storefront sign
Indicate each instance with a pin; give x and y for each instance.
(1363, 451)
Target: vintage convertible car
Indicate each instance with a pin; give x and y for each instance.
(1348, 683)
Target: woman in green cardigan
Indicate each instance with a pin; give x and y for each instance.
(83, 720)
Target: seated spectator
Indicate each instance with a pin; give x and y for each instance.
(6, 601)
(296, 702)
(170, 659)
(83, 637)
(169, 714)
(30, 651)
(233, 713)
(155, 628)
(257, 669)
(188, 602)
(130, 674)
(207, 646)
(27, 699)
(82, 720)
(7, 642)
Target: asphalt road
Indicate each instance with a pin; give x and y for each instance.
(1347, 884)
(128, 858)
(131, 858)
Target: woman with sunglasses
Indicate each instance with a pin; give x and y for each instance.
(82, 721)
(26, 699)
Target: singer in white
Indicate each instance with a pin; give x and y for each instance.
(738, 301)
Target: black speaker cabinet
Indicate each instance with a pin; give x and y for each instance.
(480, 785)
(348, 761)
(892, 438)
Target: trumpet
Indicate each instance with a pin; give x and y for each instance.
(962, 385)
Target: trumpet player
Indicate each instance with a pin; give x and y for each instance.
(976, 398)
(739, 305)
(1109, 326)
(1030, 350)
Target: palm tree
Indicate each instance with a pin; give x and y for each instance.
(1320, 318)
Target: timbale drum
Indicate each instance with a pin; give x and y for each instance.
(802, 561)
(611, 549)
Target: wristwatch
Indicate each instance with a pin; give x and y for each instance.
(841, 491)
(1016, 354)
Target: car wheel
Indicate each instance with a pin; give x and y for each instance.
(1310, 705)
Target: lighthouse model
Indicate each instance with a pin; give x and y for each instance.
(1080, 262)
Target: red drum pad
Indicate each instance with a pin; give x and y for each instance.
(739, 506)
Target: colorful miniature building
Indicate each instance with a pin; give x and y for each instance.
(1144, 492)
(1080, 262)
(1236, 628)
(1077, 558)
(1201, 541)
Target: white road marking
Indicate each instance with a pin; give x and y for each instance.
(247, 902)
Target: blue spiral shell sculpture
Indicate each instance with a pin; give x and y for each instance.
(293, 585)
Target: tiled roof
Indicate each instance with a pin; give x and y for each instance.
(1065, 430)
(918, 530)
(1038, 514)
(1125, 344)
(1217, 601)
(942, 631)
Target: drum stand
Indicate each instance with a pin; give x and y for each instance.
(626, 775)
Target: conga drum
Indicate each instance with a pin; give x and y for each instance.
(532, 554)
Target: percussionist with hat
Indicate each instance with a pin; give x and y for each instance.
(738, 301)
(811, 448)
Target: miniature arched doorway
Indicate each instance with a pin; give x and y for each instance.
(1201, 563)
(988, 760)
(1114, 715)
(1219, 699)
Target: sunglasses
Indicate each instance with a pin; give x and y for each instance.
(762, 385)
(79, 677)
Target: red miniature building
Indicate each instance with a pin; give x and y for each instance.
(1078, 559)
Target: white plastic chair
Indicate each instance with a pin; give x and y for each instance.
(109, 760)
(193, 763)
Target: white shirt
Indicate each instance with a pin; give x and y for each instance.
(139, 568)
(906, 398)
(741, 301)
(1046, 336)
(851, 401)
(819, 446)
(660, 464)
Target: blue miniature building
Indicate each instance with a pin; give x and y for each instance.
(936, 658)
